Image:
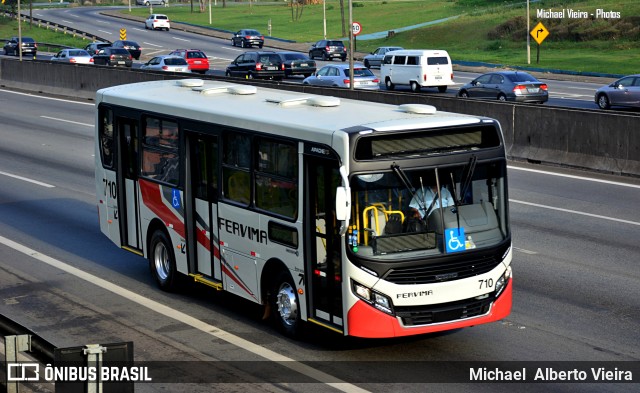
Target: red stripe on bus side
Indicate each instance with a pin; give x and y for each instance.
(152, 198)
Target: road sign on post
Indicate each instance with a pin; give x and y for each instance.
(356, 28)
(539, 33)
(123, 34)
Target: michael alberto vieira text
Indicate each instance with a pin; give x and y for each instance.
(548, 374)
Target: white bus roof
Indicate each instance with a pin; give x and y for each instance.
(293, 114)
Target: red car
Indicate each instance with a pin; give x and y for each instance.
(198, 61)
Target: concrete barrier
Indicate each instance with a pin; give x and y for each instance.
(600, 141)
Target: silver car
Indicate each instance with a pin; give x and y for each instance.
(337, 75)
(374, 59)
(623, 92)
(75, 56)
(167, 63)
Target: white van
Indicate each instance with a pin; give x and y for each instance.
(417, 68)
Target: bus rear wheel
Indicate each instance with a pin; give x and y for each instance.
(285, 310)
(162, 261)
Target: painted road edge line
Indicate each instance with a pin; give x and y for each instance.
(186, 319)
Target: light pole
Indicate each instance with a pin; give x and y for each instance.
(351, 87)
(528, 37)
(324, 18)
(19, 32)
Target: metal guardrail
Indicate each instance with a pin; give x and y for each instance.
(57, 28)
(41, 349)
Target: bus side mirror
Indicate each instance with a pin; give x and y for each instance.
(343, 204)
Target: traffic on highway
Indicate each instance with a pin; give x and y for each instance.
(563, 90)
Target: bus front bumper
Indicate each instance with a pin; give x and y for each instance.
(368, 322)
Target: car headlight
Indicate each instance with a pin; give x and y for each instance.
(375, 299)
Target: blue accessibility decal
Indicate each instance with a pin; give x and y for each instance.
(454, 238)
(175, 198)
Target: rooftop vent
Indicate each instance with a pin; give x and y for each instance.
(190, 82)
(322, 101)
(231, 89)
(417, 109)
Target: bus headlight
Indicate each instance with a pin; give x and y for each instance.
(377, 300)
(502, 281)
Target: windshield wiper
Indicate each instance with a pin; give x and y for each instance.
(407, 183)
(467, 176)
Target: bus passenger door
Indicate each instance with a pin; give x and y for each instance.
(127, 178)
(324, 264)
(202, 221)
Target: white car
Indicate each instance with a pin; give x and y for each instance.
(157, 21)
(167, 63)
(75, 56)
(150, 2)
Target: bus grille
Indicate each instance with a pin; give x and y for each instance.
(441, 272)
(425, 315)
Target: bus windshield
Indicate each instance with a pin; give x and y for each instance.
(412, 212)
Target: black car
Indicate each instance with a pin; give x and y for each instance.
(296, 63)
(29, 46)
(251, 65)
(328, 50)
(113, 57)
(131, 46)
(247, 38)
(95, 47)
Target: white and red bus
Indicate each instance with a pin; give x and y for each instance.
(368, 219)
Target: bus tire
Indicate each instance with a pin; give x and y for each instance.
(284, 300)
(162, 261)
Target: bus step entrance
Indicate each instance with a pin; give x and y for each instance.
(206, 281)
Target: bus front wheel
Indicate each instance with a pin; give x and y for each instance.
(285, 305)
(162, 261)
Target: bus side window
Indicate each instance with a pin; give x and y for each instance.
(106, 138)
(276, 177)
(236, 159)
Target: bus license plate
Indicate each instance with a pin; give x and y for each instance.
(438, 77)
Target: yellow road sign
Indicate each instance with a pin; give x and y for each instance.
(123, 34)
(539, 33)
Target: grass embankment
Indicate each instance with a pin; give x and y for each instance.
(9, 28)
(492, 31)
(484, 30)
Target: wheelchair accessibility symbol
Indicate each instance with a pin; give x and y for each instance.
(454, 237)
(175, 198)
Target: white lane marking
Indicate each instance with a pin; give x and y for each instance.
(106, 32)
(576, 212)
(67, 121)
(615, 183)
(27, 179)
(186, 319)
(67, 21)
(148, 43)
(46, 98)
(181, 39)
(154, 52)
(522, 250)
